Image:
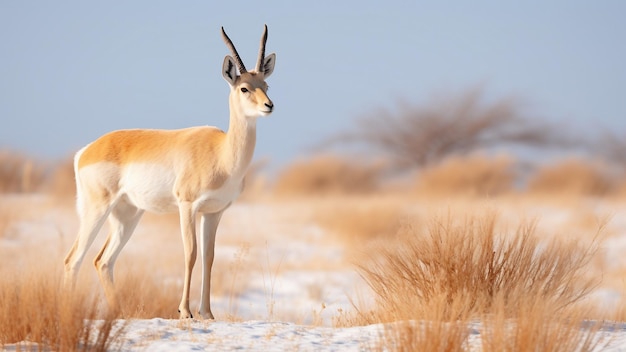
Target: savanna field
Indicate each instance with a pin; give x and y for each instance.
(342, 176)
(330, 255)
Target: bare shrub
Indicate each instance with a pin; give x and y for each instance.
(473, 175)
(572, 176)
(429, 284)
(325, 175)
(34, 309)
(471, 263)
(416, 136)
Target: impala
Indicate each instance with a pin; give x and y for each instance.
(197, 170)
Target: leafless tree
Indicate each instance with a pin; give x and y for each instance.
(416, 136)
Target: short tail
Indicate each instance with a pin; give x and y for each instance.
(79, 194)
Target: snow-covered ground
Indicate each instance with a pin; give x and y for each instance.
(168, 335)
(194, 335)
(171, 335)
(283, 278)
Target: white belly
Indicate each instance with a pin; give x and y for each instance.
(216, 200)
(151, 187)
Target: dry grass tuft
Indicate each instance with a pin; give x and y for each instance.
(325, 175)
(474, 175)
(474, 263)
(573, 177)
(429, 283)
(34, 309)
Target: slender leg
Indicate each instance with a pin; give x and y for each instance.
(122, 221)
(208, 225)
(91, 220)
(188, 232)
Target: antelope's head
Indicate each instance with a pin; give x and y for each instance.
(248, 90)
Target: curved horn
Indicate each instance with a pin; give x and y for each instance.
(231, 46)
(259, 63)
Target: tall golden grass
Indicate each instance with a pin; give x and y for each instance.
(34, 309)
(454, 271)
(471, 259)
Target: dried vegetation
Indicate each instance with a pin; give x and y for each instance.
(430, 283)
(35, 309)
(431, 276)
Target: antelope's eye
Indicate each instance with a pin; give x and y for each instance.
(244, 90)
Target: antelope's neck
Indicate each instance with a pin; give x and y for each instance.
(240, 143)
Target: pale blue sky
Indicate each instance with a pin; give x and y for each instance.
(73, 70)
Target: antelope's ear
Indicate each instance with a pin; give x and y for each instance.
(229, 70)
(268, 65)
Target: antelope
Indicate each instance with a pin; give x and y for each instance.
(196, 170)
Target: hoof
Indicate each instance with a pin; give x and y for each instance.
(185, 315)
(206, 315)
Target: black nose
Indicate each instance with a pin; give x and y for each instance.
(269, 106)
